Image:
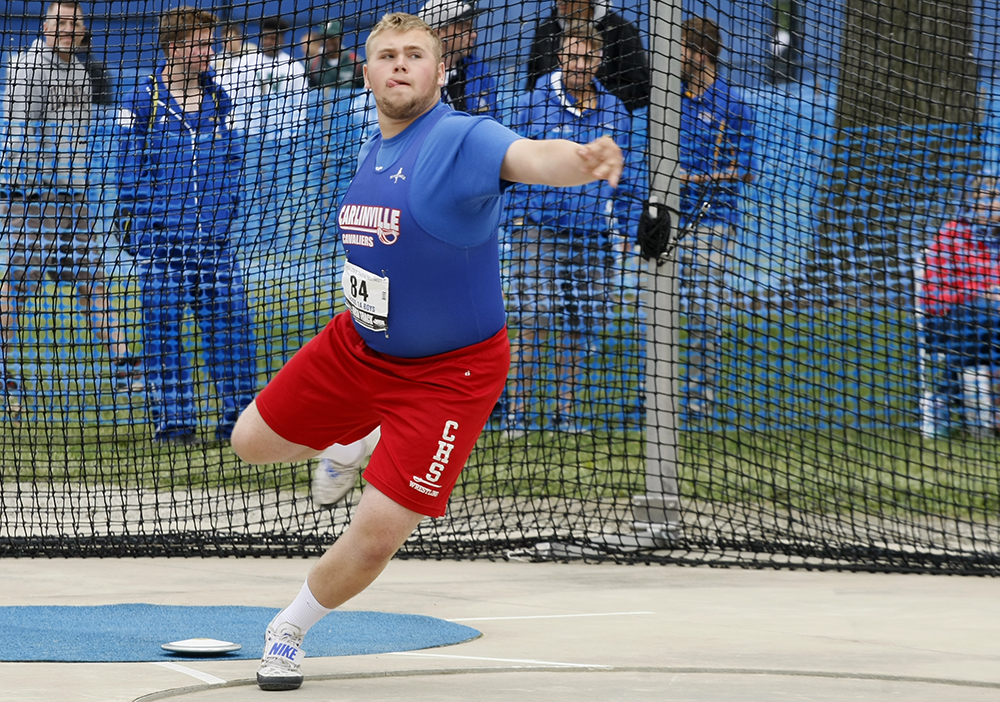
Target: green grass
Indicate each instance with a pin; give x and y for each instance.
(117, 456)
(826, 369)
(807, 366)
(886, 473)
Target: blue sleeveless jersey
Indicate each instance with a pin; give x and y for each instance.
(442, 283)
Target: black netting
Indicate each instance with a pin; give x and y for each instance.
(799, 367)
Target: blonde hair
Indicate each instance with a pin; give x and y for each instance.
(181, 23)
(402, 22)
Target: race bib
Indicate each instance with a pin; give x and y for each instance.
(367, 297)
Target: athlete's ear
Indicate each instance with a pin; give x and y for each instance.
(441, 74)
(364, 72)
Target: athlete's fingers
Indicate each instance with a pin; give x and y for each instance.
(603, 159)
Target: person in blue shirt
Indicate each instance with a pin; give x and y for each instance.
(716, 155)
(565, 241)
(422, 350)
(624, 69)
(178, 193)
(468, 87)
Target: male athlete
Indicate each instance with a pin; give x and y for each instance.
(423, 350)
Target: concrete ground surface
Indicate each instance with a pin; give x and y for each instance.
(554, 632)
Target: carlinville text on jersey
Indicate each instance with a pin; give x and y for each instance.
(369, 218)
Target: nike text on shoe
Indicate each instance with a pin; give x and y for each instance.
(279, 667)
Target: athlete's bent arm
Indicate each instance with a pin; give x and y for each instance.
(561, 163)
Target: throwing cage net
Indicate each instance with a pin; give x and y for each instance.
(798, 367)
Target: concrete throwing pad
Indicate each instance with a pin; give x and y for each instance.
(135, 632)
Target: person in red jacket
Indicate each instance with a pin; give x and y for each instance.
(961, 301)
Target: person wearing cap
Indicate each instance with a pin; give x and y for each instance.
(468, 85)
(327, 65)
(624, 70)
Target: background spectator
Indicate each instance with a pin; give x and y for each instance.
(716, 155)
(268, 87)
(624, 69)
(178, 183)
(563, 238)
(327, 64)
(48, 105)
(962, 304)
(233, 49)
(312, 47)
(269, 91)
(468, 85)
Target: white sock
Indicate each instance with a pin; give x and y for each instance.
(303, 612)
(352, 454)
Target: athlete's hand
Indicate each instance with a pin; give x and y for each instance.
(603, 159)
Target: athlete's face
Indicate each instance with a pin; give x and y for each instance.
(403, 73)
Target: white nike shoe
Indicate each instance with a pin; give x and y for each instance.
(332, 482)
(336, 473)
(279, 667)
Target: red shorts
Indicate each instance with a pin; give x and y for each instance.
(336, 389)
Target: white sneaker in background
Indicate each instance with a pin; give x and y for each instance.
(332, 482)
(337, 471)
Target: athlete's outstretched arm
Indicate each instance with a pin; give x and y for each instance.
(562, 163)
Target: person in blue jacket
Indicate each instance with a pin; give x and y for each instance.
(716, 158)
(566, 242)
(178, 192)
(468, 87)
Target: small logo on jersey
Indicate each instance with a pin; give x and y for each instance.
(430, 484)
(356, 220)
(398, 176)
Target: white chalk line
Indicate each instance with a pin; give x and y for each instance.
(204, 677)
(549, 616)
(499, 660)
